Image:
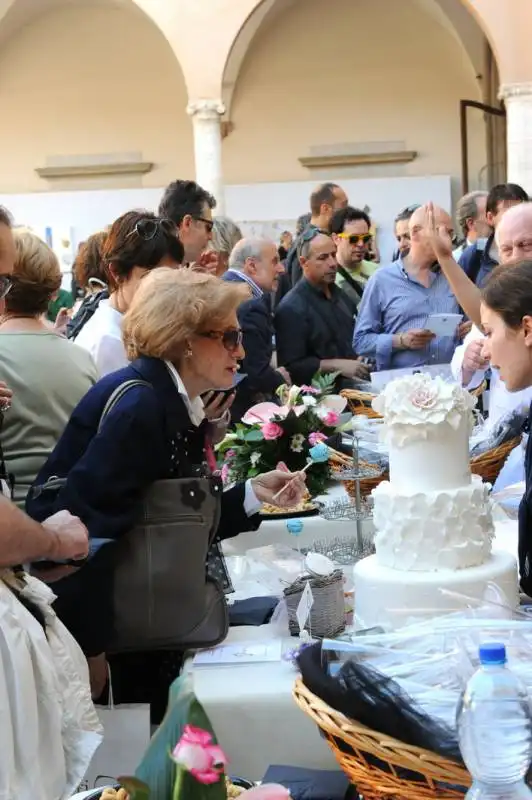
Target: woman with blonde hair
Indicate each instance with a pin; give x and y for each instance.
(47, 374)
(142, 426)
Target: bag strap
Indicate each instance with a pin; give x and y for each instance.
(359, 289)
(117, 395)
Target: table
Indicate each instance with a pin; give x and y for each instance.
(314, 529)
(251, 706)
(257, 722)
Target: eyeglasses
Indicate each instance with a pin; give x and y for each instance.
(209, 224)
(147, 228)
(357, 238)
(5, 285)
(231, 338)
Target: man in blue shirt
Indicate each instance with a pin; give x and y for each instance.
(391, 325)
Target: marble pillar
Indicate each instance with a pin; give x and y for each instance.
(206, 119)
(518, 101)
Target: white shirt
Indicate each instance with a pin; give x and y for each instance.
(102, 337)
(196, 413)
(501, 401)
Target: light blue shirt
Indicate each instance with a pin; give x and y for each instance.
(395, 302)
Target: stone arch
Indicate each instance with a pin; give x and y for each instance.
(88, 82)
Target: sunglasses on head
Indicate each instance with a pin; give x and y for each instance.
(356, 238)
(230, 338)
(5, 285)
(209, 224)
(147, 229)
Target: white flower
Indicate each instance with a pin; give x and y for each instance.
(297, 442)
(293, 395)
(309, 401)
(255, 458)
(422, 401)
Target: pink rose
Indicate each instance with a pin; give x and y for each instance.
(230, 454)
(316, 438)
(310, 390)
(271, 431)
(331, 418)
(196, 753)
(224, 473)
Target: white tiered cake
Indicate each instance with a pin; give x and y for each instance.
(433, 518)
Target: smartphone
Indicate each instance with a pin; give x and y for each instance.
(239, 377)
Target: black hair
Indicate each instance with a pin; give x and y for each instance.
(406, 213)
(182, 198)
(139, 239)
(509, 292)
(343, 216)
(503, 193)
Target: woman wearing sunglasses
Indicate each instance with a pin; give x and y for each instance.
(182, 336)
(137, 242)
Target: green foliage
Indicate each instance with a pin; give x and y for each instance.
(325, 382)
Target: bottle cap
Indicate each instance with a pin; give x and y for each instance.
(492, 653)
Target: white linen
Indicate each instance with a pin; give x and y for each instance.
(501, 401)
(102, 337)
(49, 727)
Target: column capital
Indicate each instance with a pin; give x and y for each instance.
(206, 109)
(508, 91)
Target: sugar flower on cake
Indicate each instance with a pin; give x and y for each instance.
(422, 400)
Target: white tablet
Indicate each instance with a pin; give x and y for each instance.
(443, 324)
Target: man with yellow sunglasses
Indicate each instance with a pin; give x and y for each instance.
(350, 230)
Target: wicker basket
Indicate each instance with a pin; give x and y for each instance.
(360, 402)
(327, 615)
(489, 464)
(339, 461)
(352, 744)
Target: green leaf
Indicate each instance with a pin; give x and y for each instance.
(136, 789)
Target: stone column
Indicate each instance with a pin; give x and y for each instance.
(206, 120)
(518, 100)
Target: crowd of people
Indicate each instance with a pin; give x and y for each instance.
(111, 411)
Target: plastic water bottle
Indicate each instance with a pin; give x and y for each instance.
(495, 729)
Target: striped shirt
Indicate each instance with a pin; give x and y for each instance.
(257, 291)
(395, 302)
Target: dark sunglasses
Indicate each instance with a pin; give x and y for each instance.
(231, 338)
(147, 229)
(357, 238)
(209, 224)
(5, 285)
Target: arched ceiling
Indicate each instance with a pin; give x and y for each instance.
(449, 14)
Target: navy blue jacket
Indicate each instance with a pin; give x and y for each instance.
(107, 472)
(477, 263)
(525, 519)
(255, 319)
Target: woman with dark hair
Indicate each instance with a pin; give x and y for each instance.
(506, 313)
(88, 270)
(137, 242)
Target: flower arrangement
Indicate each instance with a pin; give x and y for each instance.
(274, 436)
(200, 774)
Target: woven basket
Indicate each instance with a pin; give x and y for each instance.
(489, 464)
(327, 615)
(339, 461)
(360, 402)
(355, 747)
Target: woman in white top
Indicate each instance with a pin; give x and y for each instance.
(137, 242)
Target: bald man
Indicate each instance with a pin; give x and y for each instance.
(514, 241)
(398, 299)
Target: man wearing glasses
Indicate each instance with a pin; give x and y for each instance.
(190, 208)
(350, 230)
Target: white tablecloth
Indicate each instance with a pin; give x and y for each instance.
(257, 722)
(251, 706)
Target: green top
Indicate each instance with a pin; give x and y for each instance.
(361, 274)
(64, 299)
(48, 376)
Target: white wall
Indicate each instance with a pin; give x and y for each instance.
(263, 208)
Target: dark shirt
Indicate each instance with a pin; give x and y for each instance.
(525, 519)
(477, 262)
(255, 319)
(310, 328)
